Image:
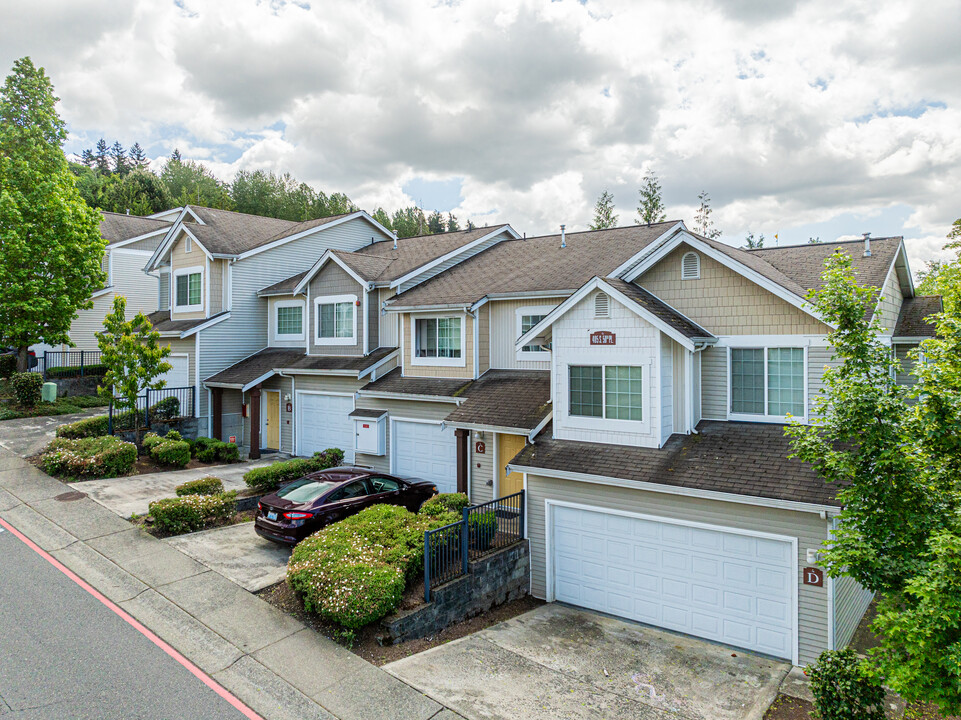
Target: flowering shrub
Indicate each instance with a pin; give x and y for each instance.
(192, 512)
(267, 479)
(354, 572)
(203, 486)
(445, 502)
(86, 428)
(175, 453)
(89, 457)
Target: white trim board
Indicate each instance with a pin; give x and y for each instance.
(316, 229)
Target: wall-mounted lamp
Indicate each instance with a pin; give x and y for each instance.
(287, 397)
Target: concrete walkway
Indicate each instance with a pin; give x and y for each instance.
(276, 665)
(28, 436)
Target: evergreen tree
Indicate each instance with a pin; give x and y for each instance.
(175, 155)
(191, 183)
(119, 157)
(101, 157)
(754, 243)
(138, 158)
(381, 216)
(409, 222)
(814, 240)
(651, 208)
(452, 225)
(139, 191)
(604, 216)
(702, 218)
(87, 158)
(436, 223)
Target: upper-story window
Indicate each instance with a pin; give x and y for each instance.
(527, 318)
(767, 383)
(613, 392)
(188, 289)
(438, 341)
(690, 266)
(336, 323)
(288, 320)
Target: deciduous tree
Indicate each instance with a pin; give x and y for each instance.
(702, 218)
(192, 183)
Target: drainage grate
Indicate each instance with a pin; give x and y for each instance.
(70, 496)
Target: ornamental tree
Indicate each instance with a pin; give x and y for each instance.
(50, 243)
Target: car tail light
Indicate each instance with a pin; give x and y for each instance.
(260, 507)
(298, 515)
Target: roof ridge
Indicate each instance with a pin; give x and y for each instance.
(243, 214)
(585, 232)
(822, 244)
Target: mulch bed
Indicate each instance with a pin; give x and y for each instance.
(146, 523)
(365, 643)
(786, 707)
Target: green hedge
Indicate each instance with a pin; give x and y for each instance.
(68, 371)
(203, 486)
(843, 687)
(445, 502)
(8, 365)
(26, 388)
(273, 476)
(89, 457)
(86, 428)
(208, 449)
(150, 441)
(192, 512)
(354, 572)
(175, 453)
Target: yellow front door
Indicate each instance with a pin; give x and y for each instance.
(272, 423)
(507, 447)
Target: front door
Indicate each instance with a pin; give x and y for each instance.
(507, 447)
(272, 421)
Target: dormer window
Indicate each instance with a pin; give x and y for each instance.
(188, 289)
(336, 323)
(690, 266)
(437, 341)
(602, 305)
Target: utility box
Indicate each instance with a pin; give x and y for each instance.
(370, 431)
(48, 393)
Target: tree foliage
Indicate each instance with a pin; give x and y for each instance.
(702, 218)
(50, 244)
(754, 243)
(192, 183)
(943, 277)
(651, 208)
(409, 222)
(604, 215)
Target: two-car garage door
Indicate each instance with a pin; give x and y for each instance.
(724, 585)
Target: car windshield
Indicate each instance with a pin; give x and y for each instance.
(306, 490)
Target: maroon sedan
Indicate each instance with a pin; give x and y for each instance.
(321, 498)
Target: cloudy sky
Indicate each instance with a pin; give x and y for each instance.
(819, 118)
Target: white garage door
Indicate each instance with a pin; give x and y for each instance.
(721, 585)
(322, 423)
(178, 375)
(424, 451)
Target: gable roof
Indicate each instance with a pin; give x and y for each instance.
(117, 227)
(509, 399)
(534, 265)
(912, 321)
(660, 309)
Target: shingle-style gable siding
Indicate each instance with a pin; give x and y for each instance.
(725, 302)
(334, 280)
(889, 304)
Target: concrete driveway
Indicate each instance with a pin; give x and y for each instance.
(560, 662)
(28, 436)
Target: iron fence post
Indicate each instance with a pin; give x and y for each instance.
(193, 401)
(81, 363)
(426, 566)
(521, 517)
(465, 539)
(146, 408)
(110, 418)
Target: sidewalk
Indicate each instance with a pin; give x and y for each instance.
(273, 663)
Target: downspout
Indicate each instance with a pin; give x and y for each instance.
(366, 320)
(697, 349)
(293, 423)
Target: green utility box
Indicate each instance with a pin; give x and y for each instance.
(49, 392)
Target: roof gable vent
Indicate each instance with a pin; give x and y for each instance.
(602, 305)
(690, 266)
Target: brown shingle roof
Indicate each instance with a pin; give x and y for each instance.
(728, 457)
(116, 227)
(255, 366)
(506, 398)
(162, 323)
(534, 264)
(393, 382)
(660, 309)
(369, 267)
(284, 287)
(339, 362)
(914, 313)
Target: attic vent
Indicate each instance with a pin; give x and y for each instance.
(602, 305)
(690, 266)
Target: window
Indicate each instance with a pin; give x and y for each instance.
(290, 320)
(690, 266)
(335, 320)
(437, 338)
(613, 392)
(187, 245)
(767, 382)
(383, 485)
(602, 305)
(354, 490)
(188, 291)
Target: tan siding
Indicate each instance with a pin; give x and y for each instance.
(714, 383)
(467, 371)
(402, 409)
(503, 333)
(807, 527)
(725, 302)
(334, 280)
(850, 602)
(217, 283)
(195, 258)
(889, 304)
(387, 325)
(905, 375)
(484, 338)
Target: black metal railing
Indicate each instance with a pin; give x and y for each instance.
(483, 529)
(164, 405)
(56, 364)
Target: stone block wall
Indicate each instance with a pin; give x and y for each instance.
(494, 580)
(70, 387)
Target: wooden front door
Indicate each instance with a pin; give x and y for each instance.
(507, 447)
(272, 421)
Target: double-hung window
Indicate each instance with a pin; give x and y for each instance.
(767, 383)
(188, 290)
(613, 392)
(335, 320)
(438, 340)
(289, 320)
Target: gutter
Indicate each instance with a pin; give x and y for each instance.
(410, 396)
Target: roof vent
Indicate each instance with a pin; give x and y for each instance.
(395, 242)
(867, 244)
(690, 266)
(602, 305)
(563, 237)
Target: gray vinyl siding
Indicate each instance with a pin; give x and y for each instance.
(147, 244)
(819, 358)
(373, 322)
(851, 600)
(163, 297)
(481, 469)
(697, 387)
(714, 383)
(233, 424)
(401, 409)
(808, 528)
(451, 262)
(334, 280)
(905, 375)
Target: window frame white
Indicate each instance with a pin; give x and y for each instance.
(193, 270)
(438, 361)
(335, 300)
(277, 336)
(765, 417)
(519, 313)
(583, 422)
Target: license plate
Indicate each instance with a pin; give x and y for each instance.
(271, 516)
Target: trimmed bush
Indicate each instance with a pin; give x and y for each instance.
(105, 456)
(273, 476)
(175, 453)
(150, 441)
(86, 428)
(173, 435)
(354, 572)
(68, 371)
(166, 409)
(203, 486)
(843, 688)
(216, 451)
(26, 388)
(200, 444)
(445, 502)
(192, 512)
(8, 365)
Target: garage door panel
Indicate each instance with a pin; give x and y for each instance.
(426, 451)
(715, 584)
(323, 422)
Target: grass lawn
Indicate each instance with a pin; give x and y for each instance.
(61, 406)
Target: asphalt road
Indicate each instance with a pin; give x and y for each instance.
(64, 655)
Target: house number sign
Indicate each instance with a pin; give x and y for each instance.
(603, 337)
(814, 576)
(480, 448)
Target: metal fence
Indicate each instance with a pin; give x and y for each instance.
(56, 364)
(483, 529)
(164, 405)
